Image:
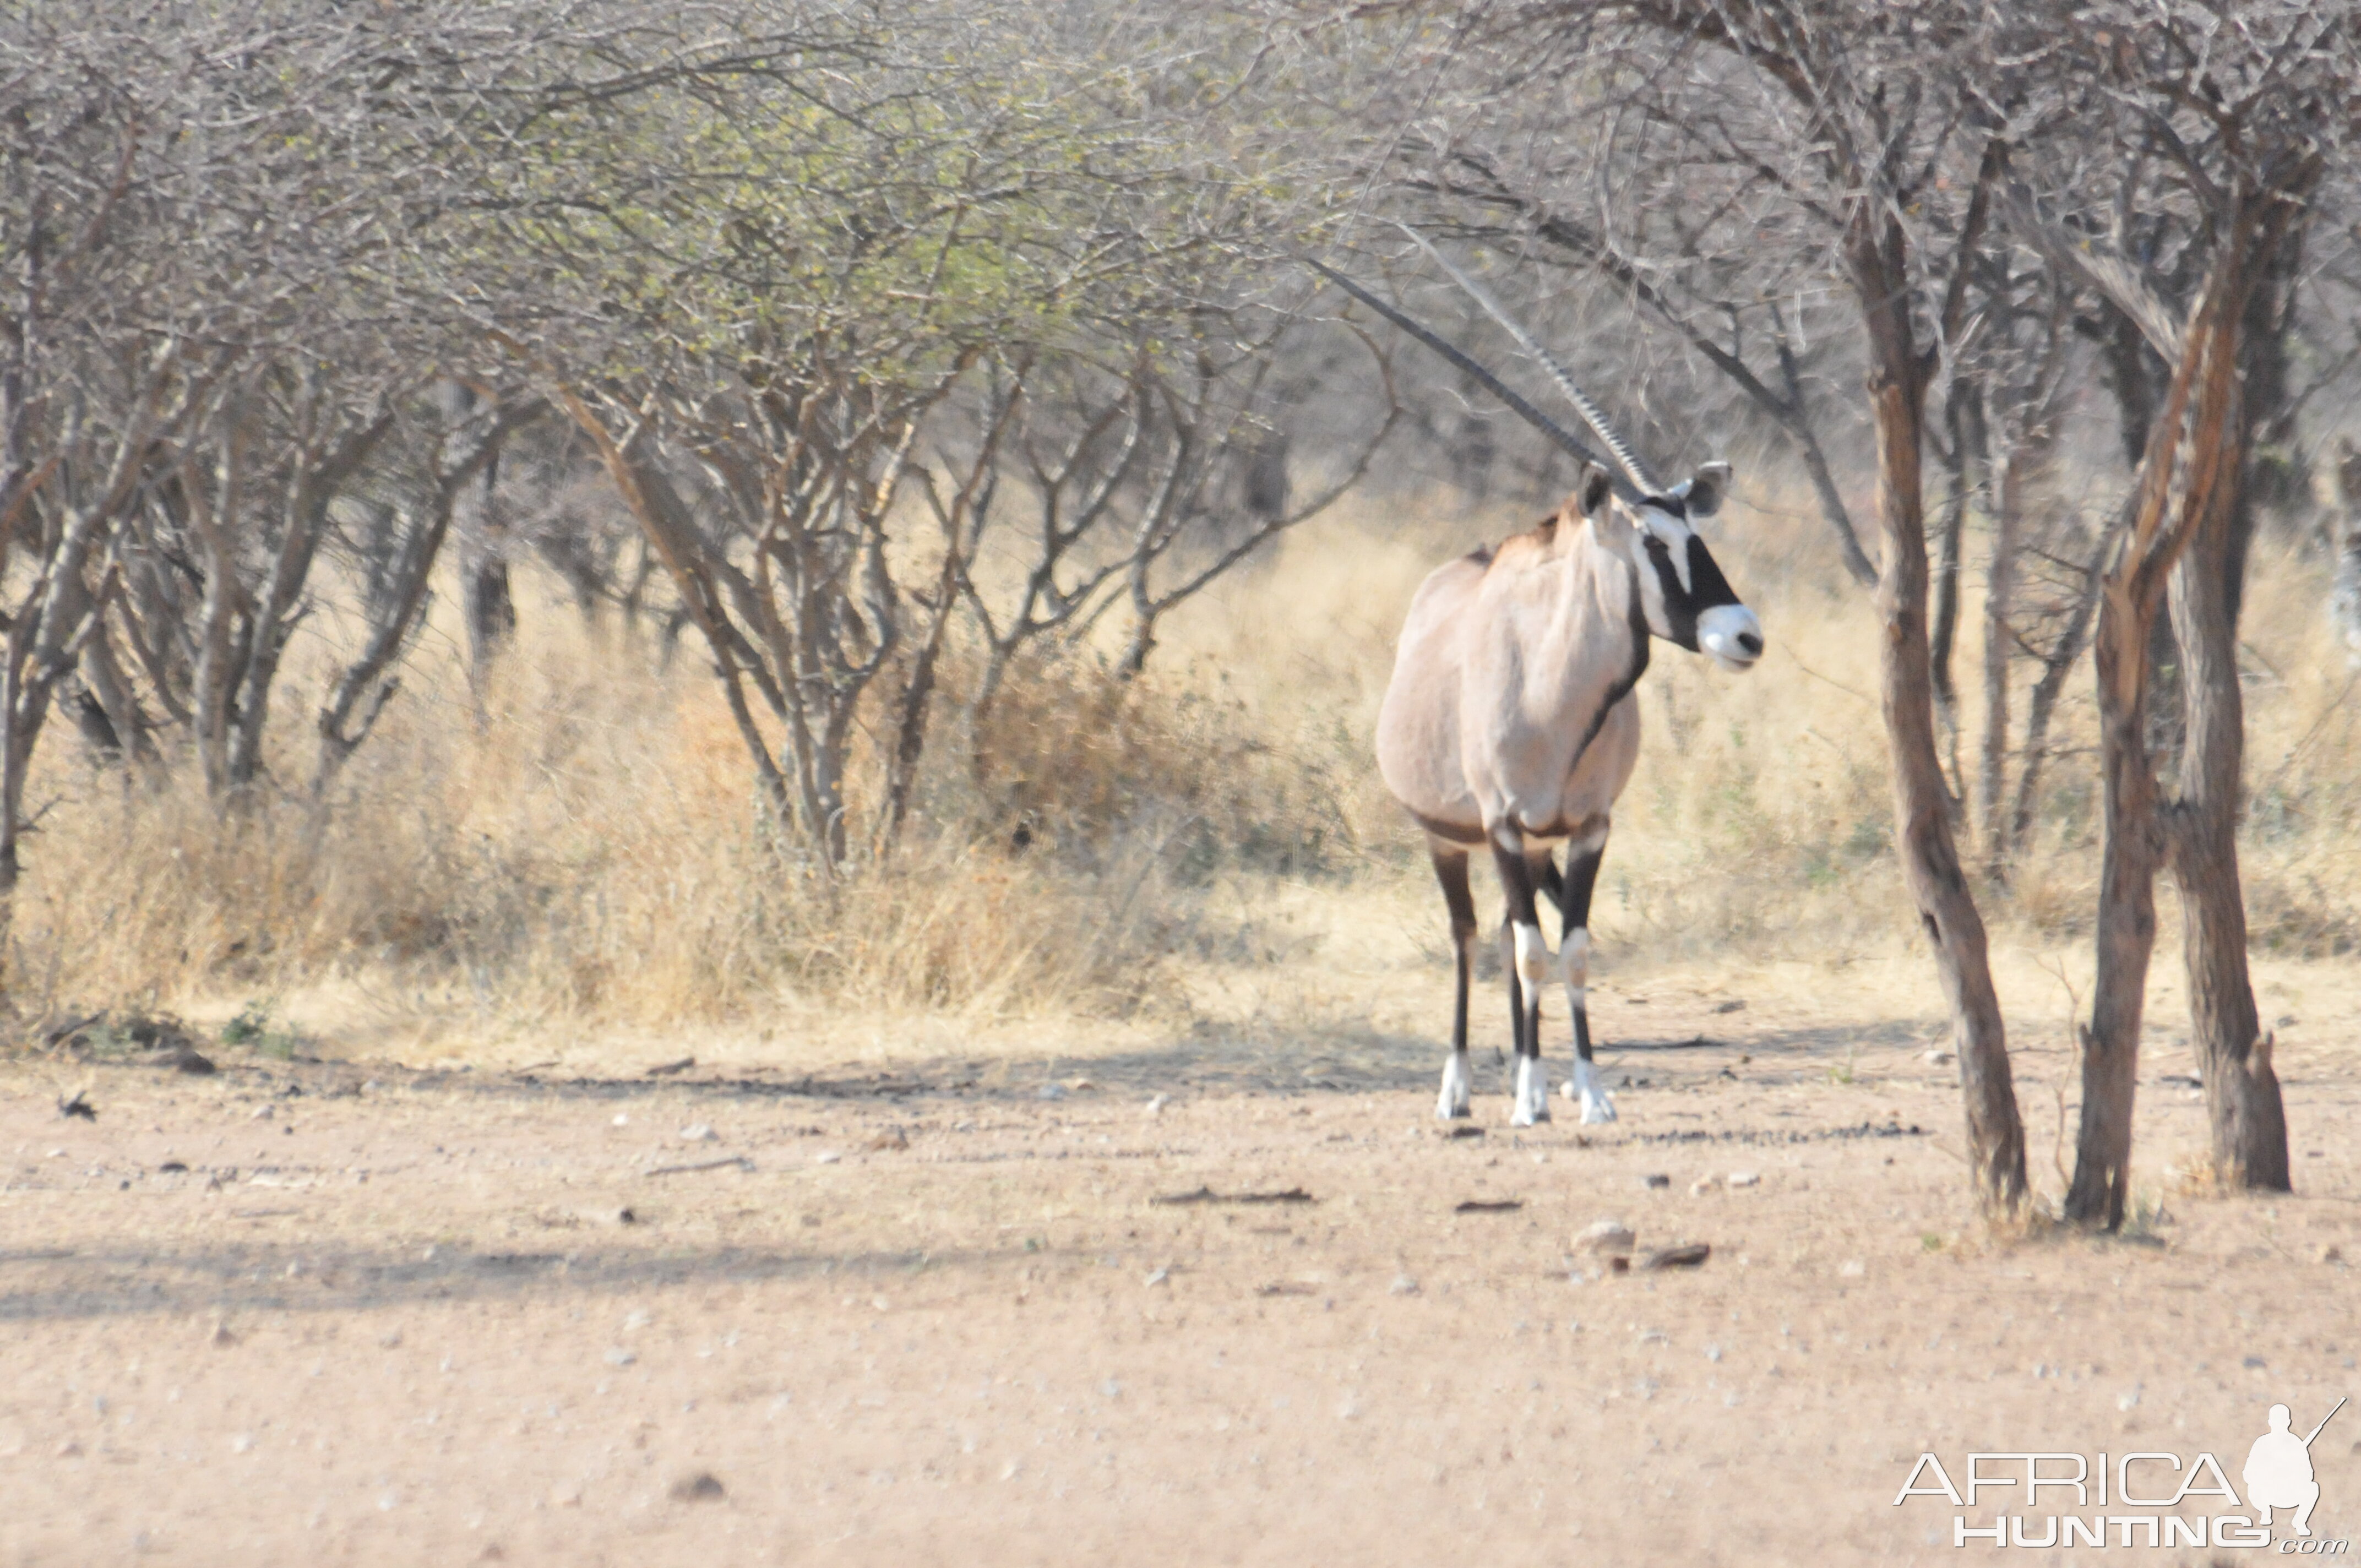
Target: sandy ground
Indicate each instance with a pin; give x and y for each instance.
(300, 1313)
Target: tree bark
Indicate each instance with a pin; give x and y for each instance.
(2181, 483)
(2243, 1105)
(1943, 638)
(1930, 860)
(2242, 1092)
(2126, 923)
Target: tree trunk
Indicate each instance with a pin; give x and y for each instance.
(1944, 636)
(1930, 862)
(2182, 483)
(2000, 597)
(2126, 924)
(2344, 600)
(2242, 1092)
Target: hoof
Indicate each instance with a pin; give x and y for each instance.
(1597, 1108)
(1527, 1116)
(1445, 1111)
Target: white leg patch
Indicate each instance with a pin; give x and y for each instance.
(1532, 1093)
(1452, 1102)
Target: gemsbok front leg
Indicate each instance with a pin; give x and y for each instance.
(1573, 964)
(1527, 974)
(1450, 870)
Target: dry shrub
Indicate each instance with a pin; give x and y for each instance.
(591, 849)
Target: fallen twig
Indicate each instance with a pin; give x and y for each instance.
(1490, 1206)
(1207, 1195)
(740, 1160)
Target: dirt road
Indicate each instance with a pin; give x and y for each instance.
(332, 1313)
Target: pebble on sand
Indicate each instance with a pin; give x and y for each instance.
(1606, 1236)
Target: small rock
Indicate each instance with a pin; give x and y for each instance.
(1655, 1181)
(262, 1113)
(1160, 1276)
(75, 1104)
(189, 1063)
(389, 1339)
(622, 1119)
(2329, 1253)
(221, 1335)
(67, 1448)
(1852, 1270)
(619, 1356)
(702, 1487)
(826, 1157)
(1744, 1178)
(1403, 1285)
(1052, 1091)
(1157, 1103)
(891, 1138)
(566, 1496)
(242, 1444)
(1703, 1185)
(1606, 1236)
(698, 1132)
(2255, 1363)
(1937, 1058)
(2131, 1399)
(1730, 1006)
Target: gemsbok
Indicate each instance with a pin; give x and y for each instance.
(1510, 720)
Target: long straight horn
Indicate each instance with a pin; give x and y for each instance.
(1589, 410)
(1459, 357)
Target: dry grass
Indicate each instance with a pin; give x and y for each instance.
(1209, 846)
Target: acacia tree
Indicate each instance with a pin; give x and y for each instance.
(761, 279)
(2215, 125)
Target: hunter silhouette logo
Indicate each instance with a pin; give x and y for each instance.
(2144, 1498)
(2279, 1471)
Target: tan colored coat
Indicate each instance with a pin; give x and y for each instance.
(1511, 693)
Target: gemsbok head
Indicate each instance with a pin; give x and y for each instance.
(1511, 721)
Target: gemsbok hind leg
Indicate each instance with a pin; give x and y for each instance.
(1527, 974)
(1450, 870)
(1573, 897)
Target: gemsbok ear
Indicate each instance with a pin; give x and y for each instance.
(1701, 496)
(1593, 488)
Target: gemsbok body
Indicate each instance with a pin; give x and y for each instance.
(1510, 724)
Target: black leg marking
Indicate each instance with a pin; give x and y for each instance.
(1450, 870)
(1574, 915)
(1517, 881)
